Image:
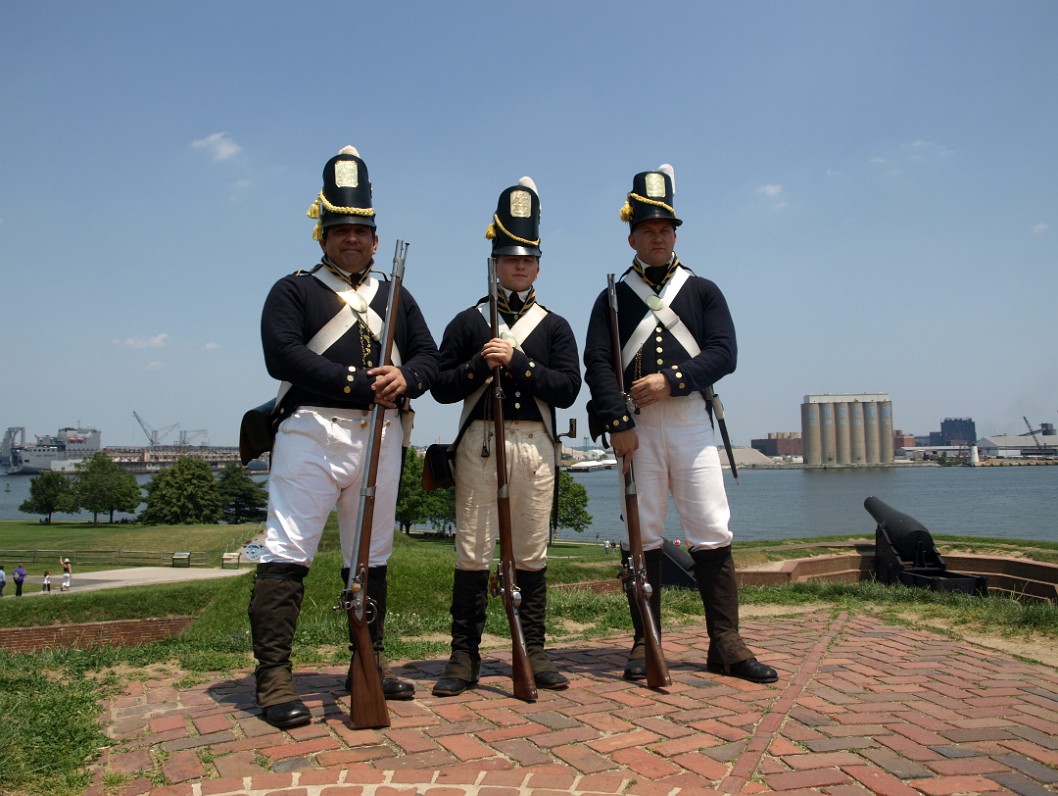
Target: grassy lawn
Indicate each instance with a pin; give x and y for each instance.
(49, 700)
(69, 537)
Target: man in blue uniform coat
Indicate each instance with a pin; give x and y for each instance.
(537, 352)
(677, 338)
(320, 330)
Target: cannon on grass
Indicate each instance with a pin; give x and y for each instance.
(904, 552)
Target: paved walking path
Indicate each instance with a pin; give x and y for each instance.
(861, 707)
(127, 576)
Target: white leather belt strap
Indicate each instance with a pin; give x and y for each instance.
(516, 335)
(358, 304)
(658, 311)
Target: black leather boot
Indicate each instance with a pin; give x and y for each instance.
(275, 602)
(728, 654)
(636, 667)
(393, 687)
(533, 612)
(469, 604)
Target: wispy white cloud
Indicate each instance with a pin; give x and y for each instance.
(1039, 229)
(239, 189)
(158, 341)
(154, 365)
(921, 149)
(219, 145)
(211, 346)
(773, 191)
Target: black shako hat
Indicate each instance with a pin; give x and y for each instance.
(651, 197)
(346, 194)
(515, 227)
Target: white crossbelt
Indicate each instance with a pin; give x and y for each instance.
(658, 308)
(357, 307)
(516, 335)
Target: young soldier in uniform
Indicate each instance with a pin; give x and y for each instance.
(318, 459)
(538, 356)
(677, 338)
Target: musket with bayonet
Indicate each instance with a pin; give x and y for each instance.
(718, 413)
(634, 573)
(503, 582)
(367, 701)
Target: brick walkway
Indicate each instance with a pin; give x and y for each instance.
(860, 707)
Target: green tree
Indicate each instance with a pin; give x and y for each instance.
(184, 494)
(242, 499)
(441, 507)
(104, 487)
(411, 498)
(50, 492)
(572, 504)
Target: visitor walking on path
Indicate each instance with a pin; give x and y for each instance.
(19, 576)
(67, 573)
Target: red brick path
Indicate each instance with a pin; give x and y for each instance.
(860, 707)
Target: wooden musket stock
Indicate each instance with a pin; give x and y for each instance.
(504, 582)
(634, 574)
(367, 701)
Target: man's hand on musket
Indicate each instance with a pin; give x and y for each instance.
(650, 389)
(497, 352)
(389, 385)
(624, 444)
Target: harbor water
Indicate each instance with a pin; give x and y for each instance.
(776, 504)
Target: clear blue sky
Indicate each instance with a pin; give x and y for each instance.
(872, 184)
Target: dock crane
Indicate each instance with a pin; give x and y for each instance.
(154, 436)
(1032, 431)
(187, 436)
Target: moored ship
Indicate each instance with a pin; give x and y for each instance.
(60, 452)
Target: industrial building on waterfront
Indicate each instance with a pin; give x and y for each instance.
(847, 430)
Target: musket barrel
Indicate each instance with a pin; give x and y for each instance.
(367, 701)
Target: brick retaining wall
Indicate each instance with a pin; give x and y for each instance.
(124, 632)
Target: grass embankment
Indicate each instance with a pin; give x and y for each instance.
(68, 537)
(49, 700)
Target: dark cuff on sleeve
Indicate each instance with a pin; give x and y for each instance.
(679, 385)
(622, 423)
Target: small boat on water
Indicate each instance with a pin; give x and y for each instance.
(597, 464)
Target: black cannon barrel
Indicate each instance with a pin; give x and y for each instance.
(907, 534)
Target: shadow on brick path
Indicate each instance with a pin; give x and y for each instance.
(860, 707)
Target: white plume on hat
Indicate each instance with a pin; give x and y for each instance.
(349, 149)
(666, 168)
(527, 182)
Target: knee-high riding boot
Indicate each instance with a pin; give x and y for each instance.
(533, 612)
(636, 667)
(275, 602)
(469, 604)
(728, 654)
(377, 592)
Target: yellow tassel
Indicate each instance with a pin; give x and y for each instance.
(314, 210)
(626, 212)
(490, 233)
(317, 231)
